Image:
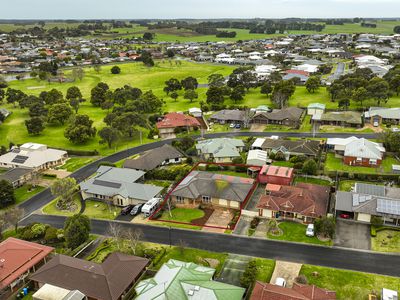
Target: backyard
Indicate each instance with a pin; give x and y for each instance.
(349, 285)
(333, 163)
(386, 241)
(296, 232)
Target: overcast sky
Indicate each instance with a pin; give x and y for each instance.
(134, 9)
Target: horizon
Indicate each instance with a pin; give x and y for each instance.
(206, 9)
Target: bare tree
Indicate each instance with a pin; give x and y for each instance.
(116, 233)
(13, 215)
(182, 246)
(247, 118)
(133, 237)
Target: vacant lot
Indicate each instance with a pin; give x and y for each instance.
(349, 285)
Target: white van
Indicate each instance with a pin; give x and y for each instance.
(310, 230)
(150, 207)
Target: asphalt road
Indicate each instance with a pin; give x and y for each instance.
(338, 72)
(45, 196)
(363, 261)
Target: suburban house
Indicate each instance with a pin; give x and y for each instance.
(33, 156)
(175, 121)
(154, 158)
(257, 158)
(357, 152)
(309, 148)
(303, 201)
(227, 116)
(276, 175)
(300, 74)
(315, 109)
(118, 186)
(220, 149)
(268, 291)
(339, 118)
(369, 200)
(110, 280)
(201, 187)
(186, 280)
(290, 116)
(18, 259)
(381, 115)
(17, 176)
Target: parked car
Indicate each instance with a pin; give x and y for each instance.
(310, 230)
(376, 124)
(232, 125)
(280, 281)
(151, 206)
(137, 209)
(344, 216)
(126, 210)
(395, 129)
(237, 126)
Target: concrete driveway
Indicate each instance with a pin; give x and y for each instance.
(351, 234)
(233, 269)
(286, 270)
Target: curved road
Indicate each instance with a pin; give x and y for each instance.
(45, 196)
(364, 261)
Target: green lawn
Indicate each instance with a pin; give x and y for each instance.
(193, 255)
(283, 163)
(296, 232)
(51, 209)
(100, 210)
(185, 215)
(265, 268)
(349, 285)
(312, 180)
(75, 163)
(22, 193)
(386, 241)
(347, 185)
(333, 163)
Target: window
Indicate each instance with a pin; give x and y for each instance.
(359, 159)
(373, 161)
(206, 199)
(180, 199)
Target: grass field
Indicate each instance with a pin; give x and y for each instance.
(296, 232)
(312, 180)
(22, 193)
(386, 241)
(349, 285)
(75, 163)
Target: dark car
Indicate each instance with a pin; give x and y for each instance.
(137, 209)
(126, 210)
(237, 126)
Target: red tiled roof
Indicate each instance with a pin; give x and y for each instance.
(304, 198)
(299, 72)
(273, 187)
(267, 291)
(19, 256)
(277, 171)
(173, 120)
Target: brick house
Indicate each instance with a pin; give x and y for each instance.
(172, 121)
(276, 175)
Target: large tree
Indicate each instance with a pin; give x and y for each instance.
(266, 88)
(189, 83)
(237, 93)
(64, 189)
(52, 97)
(378, 89)
(38, 110)
(109, 135)
(283, 90)
(99, 94)
(14, 96)
(147, 59)
(80, 130)
(7, 196)
(216, 80)
(59, 113)
(190, 95)
(35, 125)
(313, 84)
(73, 93)
(76, 230)
(172, 85)
(115, 70)
(215, 97)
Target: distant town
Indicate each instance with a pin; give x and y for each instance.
(200, 159)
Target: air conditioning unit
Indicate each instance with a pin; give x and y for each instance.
(190, 292)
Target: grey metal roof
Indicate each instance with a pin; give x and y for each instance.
(14, 174)
(385, 113)
(220, 147)
(344, 201)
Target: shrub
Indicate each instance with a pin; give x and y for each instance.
(298, 166)
(376, 221)
(373, 231)
(51, 234)
(212, 168)
(254, 223)
(249, 274)
(302, 279)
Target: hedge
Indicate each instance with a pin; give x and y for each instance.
(375, 230)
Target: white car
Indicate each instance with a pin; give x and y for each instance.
(280, 281)
(310, 230)
(232, 125)
(395, 129)
(376, 124)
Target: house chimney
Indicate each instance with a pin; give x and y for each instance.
(2, 261)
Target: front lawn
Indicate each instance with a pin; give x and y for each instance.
(185, 215)
(265, 268)
(347, 185)
(283, 163)
(51, 209)
(101, 210)
(76, 163)
(333, 163)
(25, 192)
(386, 241)
(349, 284)
(296, 232)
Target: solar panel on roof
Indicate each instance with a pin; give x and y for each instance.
(109, 184)
(388, 206)
(20, 159)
